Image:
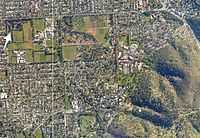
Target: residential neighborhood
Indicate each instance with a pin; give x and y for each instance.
(96, 68)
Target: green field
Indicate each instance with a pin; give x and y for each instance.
(40, 57)
(38, 46)
(2, 76)
(87, 122)
(14, 46)
(78, 24)
(38, 25)
(101, 34)
(11, 57)
(52, 43)
(123, 40)
(101, 28)
(27, 30)
(18, 36)
(38, 133)
(20, 135)
(23, 40)
(29, 56)
(69, 52)
(96, 26)
(67, 103)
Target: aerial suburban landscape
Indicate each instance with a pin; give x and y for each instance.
(99, 68)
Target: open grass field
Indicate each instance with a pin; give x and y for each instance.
(67, 103)
(20, 135)
(101, 28)
(51, 43)
(86, 123)
(2, 76)
(123, 39)
(23, 40)
(29, 56)
(90, 26)
(79, 24)
(38, 46)
(69, 52)
(14, 46)
(27, 30)
(11, 57)
(101, 34)
(38, 25)
(40, 57)
(18, 36)
(38, 133)
(96, 26)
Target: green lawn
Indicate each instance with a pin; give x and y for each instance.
(23, 40)
(14, 46)
(87, 122)
(102, 21)
(52, 43)
(24, 35)
(27, 30)
(2, 76)
(28, 56)
(40, 57)
(79, 24)
(17, 36)
(67, 103)
(38, 25)
(123, 39)
(38, 47)
(100, 34)
(38, 133)
(85, 24)
(101, 28)
(20, 135)
(69, 52)
(11, 57)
